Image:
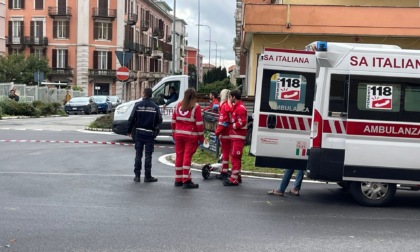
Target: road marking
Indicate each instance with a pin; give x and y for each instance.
(77, 142)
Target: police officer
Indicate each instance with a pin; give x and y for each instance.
(146, 117)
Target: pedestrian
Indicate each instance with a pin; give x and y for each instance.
(214, 102)
(222, 132)
(13, 94)
(146, 117)
(67, 98)
(285, 182)
(237, 135)
(188, 131)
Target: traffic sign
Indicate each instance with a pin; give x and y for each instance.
(124, 57)
(123, 73)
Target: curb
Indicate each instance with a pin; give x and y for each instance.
(98, 129)
(26, 117)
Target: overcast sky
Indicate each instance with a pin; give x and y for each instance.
(220, 16)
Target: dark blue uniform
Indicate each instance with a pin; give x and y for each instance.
(146, 117)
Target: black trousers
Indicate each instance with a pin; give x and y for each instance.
(144, 142)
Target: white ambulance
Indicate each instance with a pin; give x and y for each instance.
(366, 119)
(283, 108)
(365, 131)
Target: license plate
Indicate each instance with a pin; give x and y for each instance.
(74, 108)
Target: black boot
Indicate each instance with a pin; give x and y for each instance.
(178, 184)
(190, 185)
(222, 176)
(230, 183)
(137, 178)
(150, 179)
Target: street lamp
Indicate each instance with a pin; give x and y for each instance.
(174, 58)
(209, 40)
(215, 61)
(97, 88)
(198, 47)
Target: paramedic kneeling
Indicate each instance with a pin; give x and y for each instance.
(146, 117)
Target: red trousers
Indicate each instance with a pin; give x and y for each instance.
(226, 145)
(235, 158)
(185, 148)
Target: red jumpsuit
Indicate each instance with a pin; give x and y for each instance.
(222, 132)
(237, 136)
(211, 105)
(188, 130)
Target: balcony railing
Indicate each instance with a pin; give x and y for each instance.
(15, 41)
(131, 46)
(148, 51)
(36, 41)
(142, 48)
(104, 13)
(132, 19)
(62, 71)
(102, 72)
(158, 33)
(157, 54)
(145, 25)
(59, 11)
(167, 56)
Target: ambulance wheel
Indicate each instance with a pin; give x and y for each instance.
(372, 193)
(205, 171)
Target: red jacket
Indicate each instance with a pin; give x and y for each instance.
(239, 120)
(188, 124)
(212, 103)
(224, 117)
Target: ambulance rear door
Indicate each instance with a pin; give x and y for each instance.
(283, 109)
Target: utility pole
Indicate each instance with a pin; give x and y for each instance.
(174, 58)
(198, 48)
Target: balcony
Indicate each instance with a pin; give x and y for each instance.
(132, 19)
(102, 72)
(59, 12)
(158, 33)
(142, 48)
(148, 51)
(131, 46)
(145, 25)
(65, 72)
(19, 41)
(169, 38)
(104, 13)
(36, 41)
(157, 54)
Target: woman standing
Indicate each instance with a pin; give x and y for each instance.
(222, 132)
(187, 131)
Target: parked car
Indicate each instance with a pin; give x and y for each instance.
(104, 103)
(115, 100)
(86, 105)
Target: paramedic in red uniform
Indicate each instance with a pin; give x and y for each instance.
(222, 131)
(188, 131)
(237, 135)
(214, 101)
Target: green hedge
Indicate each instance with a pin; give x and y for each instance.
(103, 122)
(36, 108)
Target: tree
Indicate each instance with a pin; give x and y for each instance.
(192, 73)
(215, 74)
(19, 69)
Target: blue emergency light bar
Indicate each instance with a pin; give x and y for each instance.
(321, 46)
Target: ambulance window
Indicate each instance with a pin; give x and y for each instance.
(412, 98)
(338, 93)
(287, 92)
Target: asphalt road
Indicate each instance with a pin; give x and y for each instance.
(57, 194)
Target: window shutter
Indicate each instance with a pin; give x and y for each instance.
(10, 4)
(95, 30)
(39, 5)
(10, 29)
(109, 58)
(44, 52)
(95, 59)
(32, 50)
(41, 30)
(54, 58)
(32, 28)
(23, 4)
(109, 31)
(66, 58)
(67, 29)
(21, 29)
(55, 29)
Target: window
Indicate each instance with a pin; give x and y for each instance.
(103, 31)
(157, 95)
(17, 29)
(61, 29)
(287, 92)
(102, 60)
(61, 58)
(39, 53)
(16, 4)
(338, 94)
(383, 98)
(39, 4)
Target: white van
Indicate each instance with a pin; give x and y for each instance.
(122, 112)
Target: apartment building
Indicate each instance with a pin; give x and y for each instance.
(81, 39)
(2, 25)
(292, 24)
(191, 59)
